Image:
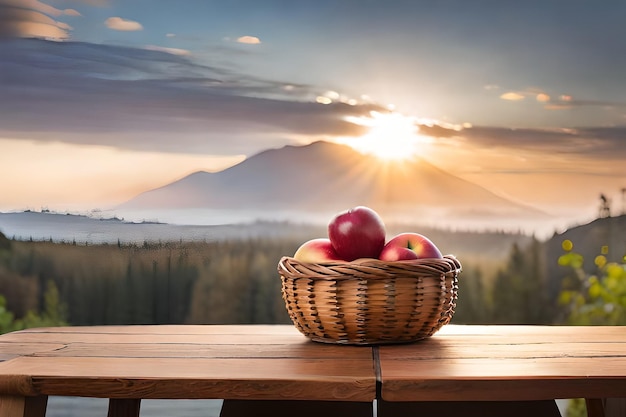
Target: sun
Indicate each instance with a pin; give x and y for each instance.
(390, 136)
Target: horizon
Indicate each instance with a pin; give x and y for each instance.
(106, 100)
(107, 226)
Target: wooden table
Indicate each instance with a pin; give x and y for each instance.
(273, 368)
(463, 365)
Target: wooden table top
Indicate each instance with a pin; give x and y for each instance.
(471, 363)
(192, 362)
(278, 363)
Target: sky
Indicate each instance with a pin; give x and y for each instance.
(103, 99)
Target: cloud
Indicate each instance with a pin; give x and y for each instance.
(542, 97)
(159, 100)
(557, 106)
(601, 146)
(31, 18)
(512, 96)
(562, 102)
(173, 51)
(437, 131)
(140, 99)
(36, 5)
(605, 143)
(518, 95)
(250, 40)
(566, 102)
(117, 23)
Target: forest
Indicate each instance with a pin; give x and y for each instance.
(235, 281)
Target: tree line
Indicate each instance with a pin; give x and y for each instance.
(228, 282)
(215, 282)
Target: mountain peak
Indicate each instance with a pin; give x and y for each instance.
(326, 176)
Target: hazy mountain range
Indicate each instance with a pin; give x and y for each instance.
(325, 176)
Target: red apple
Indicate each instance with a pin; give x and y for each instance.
(316, 251)
(420, 244)
(357, 233)
(397, 253)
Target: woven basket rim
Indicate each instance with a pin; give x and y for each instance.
(373, 261)
(368, 267)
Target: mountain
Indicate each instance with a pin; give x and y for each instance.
(325, 176)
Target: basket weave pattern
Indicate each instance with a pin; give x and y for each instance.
(370, 301)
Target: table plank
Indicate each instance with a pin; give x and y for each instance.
(197, 350)
(170, 329)
(229, 362)
(507, 363)
(157, 338)
(13, 350)
(240, 378)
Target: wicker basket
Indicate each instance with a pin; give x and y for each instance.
(369, 301)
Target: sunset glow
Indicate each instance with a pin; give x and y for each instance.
(101, 104)
(67, 176)
(391, 136)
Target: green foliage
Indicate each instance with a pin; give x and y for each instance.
(474, 305)
(519, 291)
(593, 299)
(576, 407)
(227, 282)
(54, 313)
(5, 243)
(194, 282)
(6, 317)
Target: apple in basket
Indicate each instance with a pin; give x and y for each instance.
(357, 233)
(409, 246)
(316, 251)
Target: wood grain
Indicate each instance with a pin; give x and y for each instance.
(277, 363)
(273, 378)
(507, 363)
(228, 362)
